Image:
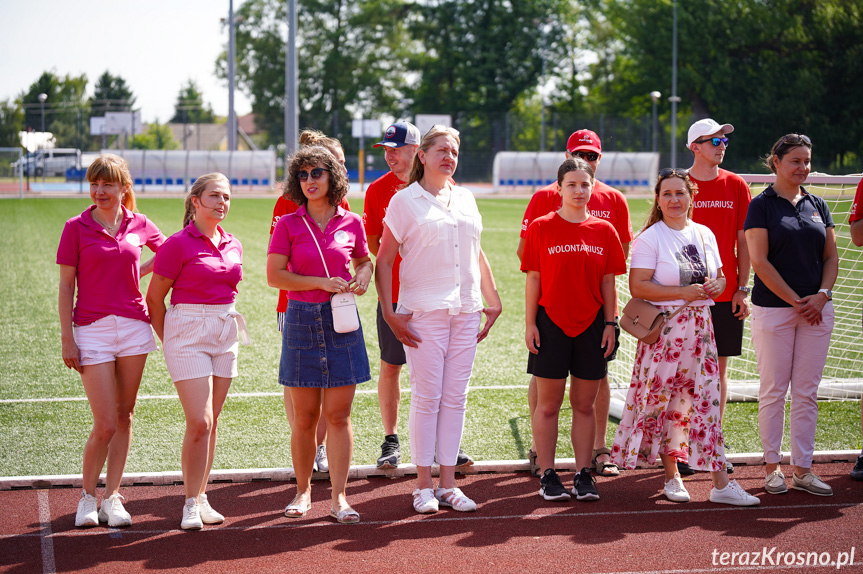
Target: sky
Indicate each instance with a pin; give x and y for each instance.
(155, 45)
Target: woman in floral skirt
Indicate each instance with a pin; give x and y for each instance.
(672, 408)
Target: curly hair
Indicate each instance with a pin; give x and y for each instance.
(113, 168)
(310, 157)
(310, 137)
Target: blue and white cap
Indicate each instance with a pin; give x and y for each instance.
(400, 134)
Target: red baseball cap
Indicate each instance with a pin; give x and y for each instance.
(584, 140)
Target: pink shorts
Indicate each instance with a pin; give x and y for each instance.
(202, 340)
(113, 336)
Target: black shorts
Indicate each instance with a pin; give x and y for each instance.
(561, 355)
(392, 351)
(727, 329)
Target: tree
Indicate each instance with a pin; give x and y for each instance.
(190, 106)
(351, 58)
(157, 136)
(65, 107)
(11, 122)
(111, 94)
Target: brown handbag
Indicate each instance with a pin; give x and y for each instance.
(644, 321)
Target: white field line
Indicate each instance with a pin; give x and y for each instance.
(45, 534)
(539, 514)
(238, 395)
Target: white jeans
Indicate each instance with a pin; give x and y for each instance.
(440, 371)
(792, 352)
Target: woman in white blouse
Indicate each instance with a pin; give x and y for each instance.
(435, 226)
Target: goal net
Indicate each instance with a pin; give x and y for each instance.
(843, 373)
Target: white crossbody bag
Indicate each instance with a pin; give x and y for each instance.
(345, 316)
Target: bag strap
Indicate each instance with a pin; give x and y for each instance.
(315, 239)
(676, 311)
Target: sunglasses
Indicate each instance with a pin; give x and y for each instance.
(587, 155)
(316, 173)
(795, 140)
(673, 172)
(714, 141)
(442, 128)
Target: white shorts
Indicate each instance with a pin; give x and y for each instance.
(202, 340)
(113, 336)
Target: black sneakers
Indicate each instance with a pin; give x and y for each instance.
(391, 452)
(585, 486)
(463, 458)
(684, 469)
(857, 472)
(550, 486)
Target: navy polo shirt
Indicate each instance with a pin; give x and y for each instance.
(796, 236)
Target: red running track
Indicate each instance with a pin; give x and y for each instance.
(633, 528)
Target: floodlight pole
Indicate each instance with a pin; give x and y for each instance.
(674, 99)
(232, 57)
(654, 96)
(42, 97)
(292, 119)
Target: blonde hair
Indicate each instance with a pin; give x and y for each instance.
(310, 137)
(437, 130)
(197, 190)
(113, 168)
(655, 215)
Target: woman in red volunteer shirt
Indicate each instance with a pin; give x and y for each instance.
(571, 259)
(106, 335)
(284, 206)
(201, 265)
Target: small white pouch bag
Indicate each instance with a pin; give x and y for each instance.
(344, 305)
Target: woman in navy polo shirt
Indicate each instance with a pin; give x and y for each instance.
(792, 245)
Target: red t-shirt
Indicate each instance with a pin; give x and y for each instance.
(721, 205)
(284, 207)
(857, 206)
(378, 197)
(605, 203)
(572, 259)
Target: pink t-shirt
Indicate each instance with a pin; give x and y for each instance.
(107, 268)
(343, 240)
(203, 274)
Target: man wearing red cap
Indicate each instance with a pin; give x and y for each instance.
(605, 203)
(400, 144)
(721, 204)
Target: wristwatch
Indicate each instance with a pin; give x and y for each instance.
(827, 292)
(745, 288)
(611, 323)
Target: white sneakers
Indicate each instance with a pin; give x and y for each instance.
(675, 491)
(455, 499)
(87, 514)
(208, 515)
(112, 511)
(425, 501)
(191, 515)
(321, 463)
(733, 494)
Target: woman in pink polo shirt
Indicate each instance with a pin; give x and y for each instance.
(106, 334)
(201, 265)
(435, 226)
(310, 256)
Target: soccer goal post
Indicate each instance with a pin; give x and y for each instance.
(843, 373)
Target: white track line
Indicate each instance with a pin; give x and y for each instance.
(45, 534)
(241, 395)
(541, 514)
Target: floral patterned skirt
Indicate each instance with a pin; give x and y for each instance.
(672, 406)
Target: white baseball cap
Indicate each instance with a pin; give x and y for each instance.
(706, 127)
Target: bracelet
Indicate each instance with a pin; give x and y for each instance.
(611, 323)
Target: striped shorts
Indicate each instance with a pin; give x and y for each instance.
(202, 340)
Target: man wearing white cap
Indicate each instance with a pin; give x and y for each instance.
(400, 144)
(721, 204)
(605, 203)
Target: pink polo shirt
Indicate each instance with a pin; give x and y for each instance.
(107, 269)
(203, 274)
(343, 240)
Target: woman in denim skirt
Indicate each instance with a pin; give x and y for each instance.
(319, 368)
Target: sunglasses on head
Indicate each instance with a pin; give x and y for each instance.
(673, 171)
(714, 141)
(316, 173)
(795, 140)
(587, 155)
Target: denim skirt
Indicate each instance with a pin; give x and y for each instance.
(314, 355)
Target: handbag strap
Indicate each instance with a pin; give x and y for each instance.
(315, 239)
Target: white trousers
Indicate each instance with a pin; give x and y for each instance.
(440, 371)
(790, 352)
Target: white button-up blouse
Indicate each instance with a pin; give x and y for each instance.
(439, 246)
